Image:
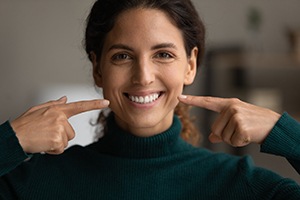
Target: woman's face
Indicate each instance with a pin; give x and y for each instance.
(143, 69)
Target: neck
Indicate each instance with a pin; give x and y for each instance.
(121, 143)
(145, 129)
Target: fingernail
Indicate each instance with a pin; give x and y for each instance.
(105, 102)
(182, 96)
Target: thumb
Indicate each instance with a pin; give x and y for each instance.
(62, 100)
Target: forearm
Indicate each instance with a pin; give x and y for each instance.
(284, 140)
(11, 153)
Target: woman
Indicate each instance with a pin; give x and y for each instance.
(143, 53)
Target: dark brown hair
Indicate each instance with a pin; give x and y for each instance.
(183, 13)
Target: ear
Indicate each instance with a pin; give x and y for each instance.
(96, 70)
(192, 67)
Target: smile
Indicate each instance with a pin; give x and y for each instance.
(144, 99)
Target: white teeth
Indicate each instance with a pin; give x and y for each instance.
(145, 99)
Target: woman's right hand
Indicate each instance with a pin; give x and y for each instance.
(45, 128)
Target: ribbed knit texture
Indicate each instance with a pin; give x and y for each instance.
(285, 137)
(123, 166)
(11, 152)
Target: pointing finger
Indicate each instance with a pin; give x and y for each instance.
(76, 108)
(211, 103)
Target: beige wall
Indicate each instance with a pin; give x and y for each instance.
(40, 45)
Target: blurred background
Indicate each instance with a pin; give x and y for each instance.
(253, 53)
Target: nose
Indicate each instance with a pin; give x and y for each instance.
(143, 73)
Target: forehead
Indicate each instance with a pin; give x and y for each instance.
(150, 16)
(145, 26)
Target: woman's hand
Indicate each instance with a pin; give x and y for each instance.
(238, 123)
(45, 128)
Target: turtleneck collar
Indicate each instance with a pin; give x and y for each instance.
(120, 143)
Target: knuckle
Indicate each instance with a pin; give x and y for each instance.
(227, 140)
(208, 99)
(234, 109)
(72, 136)
(237, 119)
(51, 110)
(56, 141)
(243, 129)
(65, 142)
(57, 151)
(60, 150)
(236, 142)
(59, 129)
(234, 105)
(65, 145)
(235, 100)
(239, 130)
(241, 140)
(53, 107)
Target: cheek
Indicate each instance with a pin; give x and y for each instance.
(109, 88)
(174, 78)
(113, 82)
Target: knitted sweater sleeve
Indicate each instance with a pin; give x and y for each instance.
(11, 152)
(284, 140)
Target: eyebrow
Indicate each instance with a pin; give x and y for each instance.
(120, 46)
(158, 46)
(164, 45)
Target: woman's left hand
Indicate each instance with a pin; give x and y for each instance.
(238, 123)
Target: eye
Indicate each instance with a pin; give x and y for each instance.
(120, 57)
(164, 55)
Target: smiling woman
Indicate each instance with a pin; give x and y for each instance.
(143, 53)
(146, 62)
(139, 67)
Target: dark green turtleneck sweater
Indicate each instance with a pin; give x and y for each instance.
(122, 166)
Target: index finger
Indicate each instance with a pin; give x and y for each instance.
(76, 108)
(211, 103)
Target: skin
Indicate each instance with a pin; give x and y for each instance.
(238, 123)
(140, 57)
(45, 128)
